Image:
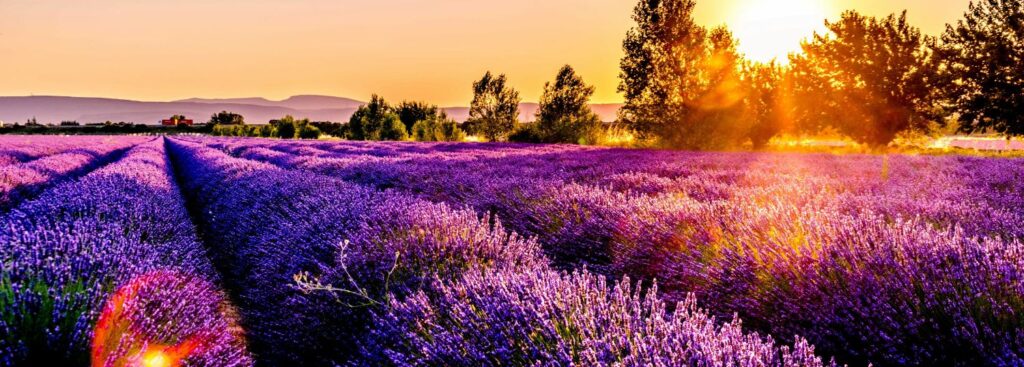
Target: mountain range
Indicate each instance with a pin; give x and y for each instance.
(256, 110)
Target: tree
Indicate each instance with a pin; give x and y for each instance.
(285, 127)
(564, 115)
(495, 107)
(375, 121)
(450, 130)
(391, 128)
(679, 79)
(869, 78)
(328, 127)
(983, 64)
(412, 112)
(226, 118)
(265, 131)
(767, 102)
(437, 127)
(307, 131)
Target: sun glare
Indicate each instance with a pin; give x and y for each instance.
(771, 29)
(156, 359)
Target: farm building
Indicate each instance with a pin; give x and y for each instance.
(175, 120)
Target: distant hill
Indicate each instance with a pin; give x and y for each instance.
(305, 102)
(54, 109)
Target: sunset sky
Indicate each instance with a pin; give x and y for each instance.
(402, 49)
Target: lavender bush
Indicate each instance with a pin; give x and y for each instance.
(815, 245)
(363, 253)
(310, 256)
(23, 180)
(543, 318)
(69, 252)
(21, 149)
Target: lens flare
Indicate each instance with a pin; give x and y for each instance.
(770, 29)
(156, 359)
(139, 328)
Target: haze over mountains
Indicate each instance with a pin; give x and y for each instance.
(54, 109)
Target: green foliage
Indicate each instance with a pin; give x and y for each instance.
(527, 133)
(495, 107)
(564, 115)
(983, 67)
(226, 118)
(870, 78)
(30, 325)
(244, 130)
(265, 131)
(285, 128)
(330, 128)
(376, 121)
(680, 80)
(307, 131)
(235, 130)
(391, 129)
(766, 101)
(412, 112)
(437, 127)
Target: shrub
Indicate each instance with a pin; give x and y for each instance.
(542, 318)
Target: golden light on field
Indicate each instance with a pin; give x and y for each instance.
(156, 359)
(771, 29)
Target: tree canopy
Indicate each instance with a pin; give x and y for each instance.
(226, 118)
(564, 114)
(412, 112)
(495, 107)
(680, 80)
(437, 127)
(867, 77)
(983, 63)
(376, 120)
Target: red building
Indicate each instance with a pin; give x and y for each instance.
(175, 120)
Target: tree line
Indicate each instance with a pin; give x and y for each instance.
(563, 116)
(687, 86)
(869, 78)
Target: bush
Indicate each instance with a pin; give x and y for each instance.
(542, 318)
(437, 128)
(393, 129)
(526, 133)
(308, 132)
(342, 244)
(564, 115)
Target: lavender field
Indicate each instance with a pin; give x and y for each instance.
(190, 251)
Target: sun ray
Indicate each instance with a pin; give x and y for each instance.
(771, 29)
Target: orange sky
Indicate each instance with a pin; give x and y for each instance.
(403, 49)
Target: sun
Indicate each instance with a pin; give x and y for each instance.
(771, 29)
(156, 359)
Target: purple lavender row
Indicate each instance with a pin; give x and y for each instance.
(983, 196)
(24, 180)
(370, 249)
(792, 245)
(309, 256)
(648, 172)
(107, 270)
(934, 186)
(20, 149)
(544, 318)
